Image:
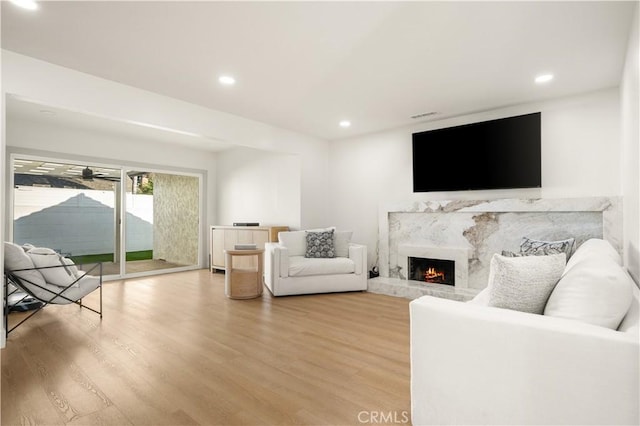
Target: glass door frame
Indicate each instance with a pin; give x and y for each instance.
(120, 203)
(123, 212)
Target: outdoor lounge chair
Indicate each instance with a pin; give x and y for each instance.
(58, 284)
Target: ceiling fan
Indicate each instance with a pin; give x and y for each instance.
(88, 174)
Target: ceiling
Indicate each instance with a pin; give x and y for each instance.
(305, 66)
(27, 110)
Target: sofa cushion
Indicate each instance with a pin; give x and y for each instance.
(597, 291)
(320, 244)
(593, 249)
(16, 258)
(531, 247)
(523, 283)
(341, 240)
(482, 298)
(87, 284)
(300, 266)
(631, 321)
(294, 241)
(58, 270)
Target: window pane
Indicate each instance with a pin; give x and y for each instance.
(69, 208)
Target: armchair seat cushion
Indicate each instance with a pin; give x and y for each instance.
(300, 266)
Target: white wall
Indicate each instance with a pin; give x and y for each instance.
(67, 143)
(75, 91)
(258, 186)
(630, 94)
(580, 157)
(3, 195)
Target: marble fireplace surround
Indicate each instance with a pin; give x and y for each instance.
(470, 232)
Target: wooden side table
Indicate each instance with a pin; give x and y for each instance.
(243, 283)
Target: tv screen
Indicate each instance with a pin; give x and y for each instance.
(496, 154)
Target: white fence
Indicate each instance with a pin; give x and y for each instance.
(79, 222)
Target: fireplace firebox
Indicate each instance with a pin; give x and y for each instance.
(436, 271)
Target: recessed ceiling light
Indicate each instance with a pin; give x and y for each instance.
(25, 4)
(544, 78)
(227, 80)
(47, 112)
(345, 123)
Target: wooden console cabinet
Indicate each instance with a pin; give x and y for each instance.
(226, 237)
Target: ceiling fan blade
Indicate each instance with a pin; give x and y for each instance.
(89, 175)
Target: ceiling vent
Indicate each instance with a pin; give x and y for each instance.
(424, 114)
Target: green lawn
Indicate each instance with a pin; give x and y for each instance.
(108, 257)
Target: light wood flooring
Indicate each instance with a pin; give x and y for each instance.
(173, 350)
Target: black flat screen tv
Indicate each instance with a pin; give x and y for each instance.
(495, 154)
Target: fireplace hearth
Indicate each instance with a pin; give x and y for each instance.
(432, 271)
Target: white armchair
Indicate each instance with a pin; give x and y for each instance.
(288, 272)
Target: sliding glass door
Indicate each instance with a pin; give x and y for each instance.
(162, 221)
(133, 221)
(69, 208)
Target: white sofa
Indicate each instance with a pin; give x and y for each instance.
(288, 272)
(475, 364)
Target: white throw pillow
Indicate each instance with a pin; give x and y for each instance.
(57, 269)
(16, 258)
(593, 249)
(341, 240)
(524, 283)
(295, 241)
(598, 292)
